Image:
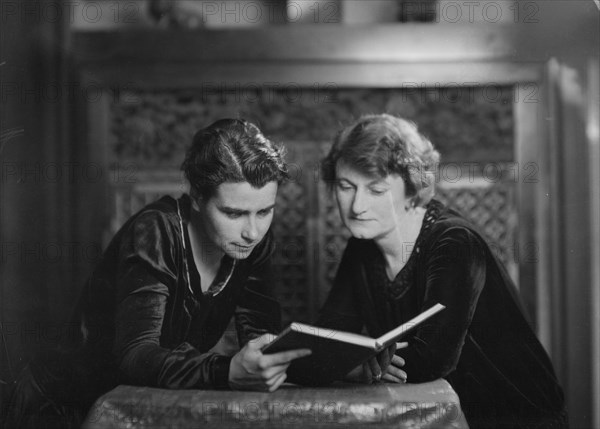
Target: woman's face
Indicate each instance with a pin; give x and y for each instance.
(369, 207)
(237, 217)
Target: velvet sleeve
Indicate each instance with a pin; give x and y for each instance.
(340, 310)
(455, 269)
(258, 312)
(147, 273)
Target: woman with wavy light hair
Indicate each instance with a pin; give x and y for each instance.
(408, 252)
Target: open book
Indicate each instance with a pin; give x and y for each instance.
(335, 353)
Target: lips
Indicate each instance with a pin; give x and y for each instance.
(239, 246)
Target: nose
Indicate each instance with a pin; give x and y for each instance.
(358, 203)
(250, 231)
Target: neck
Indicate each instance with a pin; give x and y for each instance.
(397, 245)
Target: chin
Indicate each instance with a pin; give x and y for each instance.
(362, 233)
(239, 255)
(363, 236)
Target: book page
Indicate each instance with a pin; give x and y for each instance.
(387, 339)
(347, 337)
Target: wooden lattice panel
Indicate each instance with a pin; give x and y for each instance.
(289, 262)
(154, 128)
(492, 208)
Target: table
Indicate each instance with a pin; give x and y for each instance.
(427, 405)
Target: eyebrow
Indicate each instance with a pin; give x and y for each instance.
(240, 211)
(373, 182)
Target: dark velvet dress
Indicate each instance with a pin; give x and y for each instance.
(143, 319)
(481, 343)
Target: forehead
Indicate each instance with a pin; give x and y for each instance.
(243, 196)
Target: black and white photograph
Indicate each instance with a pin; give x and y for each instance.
(300, 214)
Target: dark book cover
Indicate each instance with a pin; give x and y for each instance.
(335, 353)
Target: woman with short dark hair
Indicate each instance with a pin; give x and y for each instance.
(167, 286)
(409, 252)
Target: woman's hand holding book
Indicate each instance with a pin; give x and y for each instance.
(386, 366)
(250, 369)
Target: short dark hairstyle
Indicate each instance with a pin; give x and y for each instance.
(379, 145)
(232, 150)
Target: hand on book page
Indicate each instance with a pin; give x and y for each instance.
(386, 366)
(250, 369)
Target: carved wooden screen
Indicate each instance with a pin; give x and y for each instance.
(471, 127)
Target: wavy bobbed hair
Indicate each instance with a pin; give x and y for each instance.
(232, 150)
(380, 145)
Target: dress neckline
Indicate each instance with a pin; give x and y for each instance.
(226, 267)
(397, 287)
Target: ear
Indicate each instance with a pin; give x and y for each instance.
(197, 199)
(195, 204)
(411, 203)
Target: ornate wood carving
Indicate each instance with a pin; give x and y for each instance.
(467, 124)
